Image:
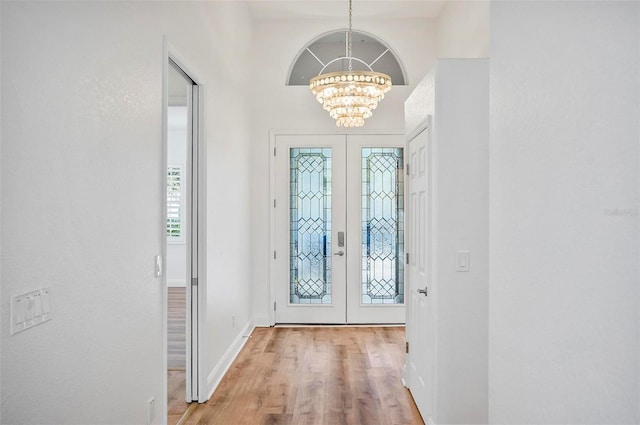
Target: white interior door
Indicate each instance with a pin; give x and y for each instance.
(339, 229)
(184, 215)
(421, 292)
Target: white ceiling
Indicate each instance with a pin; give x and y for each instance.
(306, 9)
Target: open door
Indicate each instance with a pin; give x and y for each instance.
(183, 241)
(421, 292)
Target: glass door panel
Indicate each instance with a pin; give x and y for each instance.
(310, 221)
(382, 226)
(309, 212)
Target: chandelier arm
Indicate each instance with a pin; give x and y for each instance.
(345, 57)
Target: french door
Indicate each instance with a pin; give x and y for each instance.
(339, 229)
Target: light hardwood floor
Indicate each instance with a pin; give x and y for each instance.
(314, 375)
(176, 327)
(176, 358)
(176, 406)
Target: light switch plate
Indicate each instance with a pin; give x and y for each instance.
(158, 266)
(463, 260)
(30, 309)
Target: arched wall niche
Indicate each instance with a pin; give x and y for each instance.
(319, 56)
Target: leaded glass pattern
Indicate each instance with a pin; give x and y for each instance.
(382, 226)
(310, 221)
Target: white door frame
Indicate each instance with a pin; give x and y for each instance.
(196, 305)
(272, 188)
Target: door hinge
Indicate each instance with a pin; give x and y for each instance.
(194, 281)
(274, 306)
(407, 169)
(407, 258)
(274, 203)
(274, 151)
(406, 347)
(274, 255)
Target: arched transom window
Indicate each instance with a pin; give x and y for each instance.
(328, 53)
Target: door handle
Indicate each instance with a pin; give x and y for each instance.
(340, 253)
(423, 291)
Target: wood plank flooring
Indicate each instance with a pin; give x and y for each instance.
(315, 376)
(176, 354)
(176, 406)
(176, 327)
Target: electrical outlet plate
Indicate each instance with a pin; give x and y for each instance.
(30, 309)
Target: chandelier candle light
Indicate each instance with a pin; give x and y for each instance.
(350, 96)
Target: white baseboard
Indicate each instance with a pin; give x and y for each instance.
(216, 375)
(404, 375)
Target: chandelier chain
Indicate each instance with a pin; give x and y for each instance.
(350, 36)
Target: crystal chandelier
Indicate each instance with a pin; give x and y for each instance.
(350, 96)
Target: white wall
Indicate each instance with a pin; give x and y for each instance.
(456, 95)
(82, 192)
(563, 217)
(280, 107)
(229, 186)
(462, 30)
(461, 184)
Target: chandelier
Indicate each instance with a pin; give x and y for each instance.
(350, 96)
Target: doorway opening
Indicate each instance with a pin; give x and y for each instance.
(182, 240)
